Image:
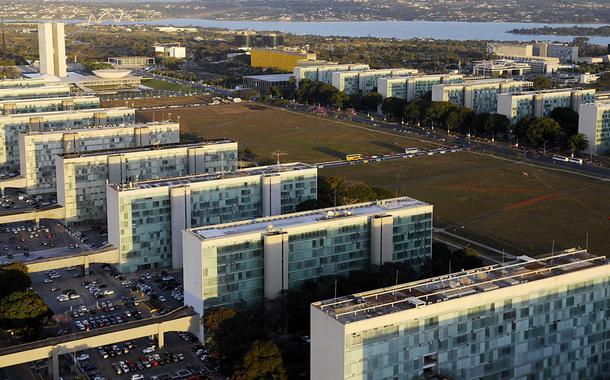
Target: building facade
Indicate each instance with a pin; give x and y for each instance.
(131, 62)
(13, 125)
(146, 219)
(263, 83)
(38, 150)
(68, 103)
(49, 90)
(82, 176)
(364, 82)
(52, 49)
(281, 59)
(530, 319)
(518, 105)
(594, 122)
(411, 87)
(324, 73)
(247, 262)
(479, 95)
(500, 67)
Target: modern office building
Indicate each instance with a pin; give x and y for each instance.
(594, 122)
(38, 150)
(247, 262)
(500, 67)
(12, 125)
(250, 38)
(52, 49)
(518, 105)
(25, 82)
(82, 176)
(281, 59)
(173, 50)
(324, 73)
(562, 52)
(528, 319)
(479, 95)
(146, 219)
(131, 62)
(411, 87)
(502, 49)
(67, 103)
(364, 82)
(48, 90)
(263, 83)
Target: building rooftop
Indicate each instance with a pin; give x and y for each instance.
(185, 180)
(379, 302)
(99, 127)
(483, 82)
(549, 91)
(271, 77)
(276, 223)
(56, 98)
(103, 152)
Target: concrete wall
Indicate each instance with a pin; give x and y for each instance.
(193, 271)
(276, 263)
(180, 197)
(53, 212)
(382, 246)
(103, 256)
(327, 350)
(587, 124)
(272, 194)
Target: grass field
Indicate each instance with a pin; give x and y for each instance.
(490, 198)
(158, 102)
(158, 84)
(265, 130)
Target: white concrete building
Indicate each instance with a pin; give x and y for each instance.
(35, 105)
(52, 49)
(146, 218)
(282, 252)
(411, 87)
(171, 51)
(364, 82)
(525, 319)
(324, 73)
(594, 122)
(38, 150)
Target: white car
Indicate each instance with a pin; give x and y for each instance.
(137, 376)
(83, 356)
(148, 350)
(62, 298)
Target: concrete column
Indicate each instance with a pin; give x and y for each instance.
(575, 99)
(538, 105)
(142, 136)
(196, 160)
(53, 365)
(275, 245)
(382, 244)
(161, 338)
(180, 198)
(272, 194)
(116, 172)
(70, 140)
(468, 98)
(86, 264)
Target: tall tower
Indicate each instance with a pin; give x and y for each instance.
(52, 49)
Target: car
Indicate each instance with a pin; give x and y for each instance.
(55, 289)
(74, 296)
(148, 350)
(62, 298)
(162, 299)
(47, 280)
(137, 376)
(83, 356)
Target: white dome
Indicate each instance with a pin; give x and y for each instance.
(111, 73)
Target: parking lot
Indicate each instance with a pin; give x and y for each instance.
(106, 297)
(15, 200)
(27, 241)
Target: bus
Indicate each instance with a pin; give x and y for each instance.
(411, 150)
(560, 158)
(575, 160)
(354, 157)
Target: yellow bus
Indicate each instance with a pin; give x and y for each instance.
(354, 157)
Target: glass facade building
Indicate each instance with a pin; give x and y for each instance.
(68, 103)
(530, 319)
(82, 176)
(247, 262)
(145, 220)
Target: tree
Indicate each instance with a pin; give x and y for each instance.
(13, 277)
(578, 143)
(491, 125)
(444, 260)
(372, 100)
(542, 83)
(567, 119)
(90, 65)
(291, 88)
(9, 72)
(262, 362)
(544, 131)
(393, 107)
(214, 319)
(22, 309)
(339, 99)
(275, 91)
(437, 111)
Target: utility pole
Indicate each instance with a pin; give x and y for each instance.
(3, 41)
(277, 154)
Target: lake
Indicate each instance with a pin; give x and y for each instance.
(452, 30)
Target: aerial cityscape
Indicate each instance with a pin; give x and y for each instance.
(325, 190)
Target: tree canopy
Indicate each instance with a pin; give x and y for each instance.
(22, 309)
(13, 277)
(262, 362)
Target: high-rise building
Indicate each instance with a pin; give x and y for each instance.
(52, 49)
(479, 95)
(67, 103)
(364, 82)
(411, 87)
(518, 105)
(540, 318)
(38, 150)
(12, 125)
(594, 122)
(246, 262)
(145, 219)
(324, 73)
(82, 176)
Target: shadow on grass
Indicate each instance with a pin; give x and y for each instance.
(384, 144)
(330, 152)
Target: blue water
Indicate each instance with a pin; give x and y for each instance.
(451, 30)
